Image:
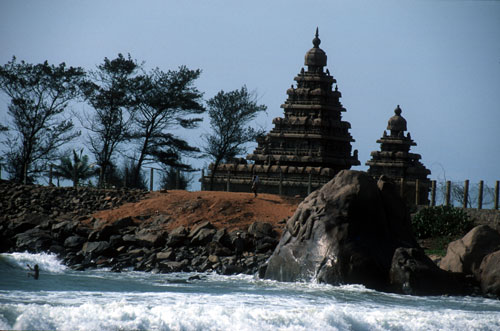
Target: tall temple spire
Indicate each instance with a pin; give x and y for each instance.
(308, 145)
(315, 58)
(316, 40)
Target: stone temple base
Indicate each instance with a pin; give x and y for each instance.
(282, 180)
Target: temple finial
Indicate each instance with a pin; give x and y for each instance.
(316, 40)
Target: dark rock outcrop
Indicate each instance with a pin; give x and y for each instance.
(348, 232)
(413, 272)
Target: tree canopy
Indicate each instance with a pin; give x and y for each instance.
(74, 169)
(230, 115)
(110, 91)
(165, 101)
(40, 94)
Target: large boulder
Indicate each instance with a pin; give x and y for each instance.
(490, 274)
(413, 272)
(465, 255)
(345, 232)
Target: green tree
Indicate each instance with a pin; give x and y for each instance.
(40, 94)
(175, 179)
(111, 93)
(165, 101)
(75, 169)
(230, 114)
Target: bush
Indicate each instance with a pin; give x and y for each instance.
(441, 221)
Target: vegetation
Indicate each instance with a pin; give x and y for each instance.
(165, 101)
(175, 179)
(39, 95)
(110, 92)
(441, 221)
(76, 169)
(230, 114)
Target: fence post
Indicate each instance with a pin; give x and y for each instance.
(177, 179)
(228, 182)
(280, 187)
(151, 179)
(480, 195)
(448, 191)
(417, 192)
(433, 193)
(496, 194)
(466, 193)
(25, 179)
(125, 178)
(402, 187)
(202, 179)
(309, 184)
(50, 175)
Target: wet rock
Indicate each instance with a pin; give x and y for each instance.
(96, 248)
(413, 272)
(74, 242)
(342, 233)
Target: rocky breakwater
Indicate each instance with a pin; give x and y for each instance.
(355, 230)
(59, 220)
(38, 218)
(146, 246)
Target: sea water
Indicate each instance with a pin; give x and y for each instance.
(63, 299)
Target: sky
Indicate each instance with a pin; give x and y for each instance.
(438, 60)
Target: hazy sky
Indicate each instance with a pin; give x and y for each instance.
(439, 60)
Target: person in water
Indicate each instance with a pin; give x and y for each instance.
(36, 271)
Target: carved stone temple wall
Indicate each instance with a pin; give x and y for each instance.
(395, 161)
(306, 148)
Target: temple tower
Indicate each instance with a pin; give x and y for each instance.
(395, 161)
(307, 147)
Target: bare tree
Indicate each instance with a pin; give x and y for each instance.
(39, 95)
(230, 114)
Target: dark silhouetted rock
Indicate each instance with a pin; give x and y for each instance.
(177, 237)
(345, 232)
(261, 229)
(74, 242)
(413, 272)
(465, 255)
(96, 248)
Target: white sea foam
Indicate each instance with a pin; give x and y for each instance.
(237, 311)
(97, 300)
(46, 262)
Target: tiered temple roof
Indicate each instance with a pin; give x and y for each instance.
(307, 147)
(395, 161)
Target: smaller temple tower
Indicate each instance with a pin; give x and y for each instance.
(395, 161)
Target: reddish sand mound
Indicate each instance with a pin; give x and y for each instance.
(223, 209)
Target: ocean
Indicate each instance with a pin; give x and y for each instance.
(63, 299)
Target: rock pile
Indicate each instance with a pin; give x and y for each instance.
(58, 220)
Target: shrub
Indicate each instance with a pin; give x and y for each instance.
(441, 221)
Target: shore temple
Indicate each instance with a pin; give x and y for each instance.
(306, 148)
